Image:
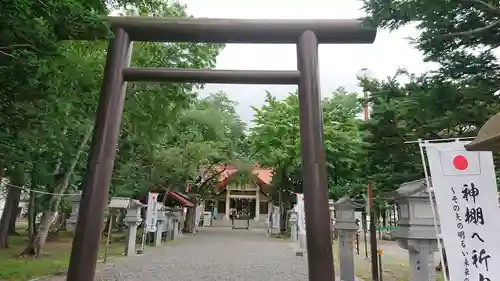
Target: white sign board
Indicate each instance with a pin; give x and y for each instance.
(301, 215)
(199, 213)
(151, 214)
(275, 217)
(465, 189)
(207, 219)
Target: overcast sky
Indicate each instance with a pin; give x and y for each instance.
(339, 64)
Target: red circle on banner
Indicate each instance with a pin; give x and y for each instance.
(460, 162)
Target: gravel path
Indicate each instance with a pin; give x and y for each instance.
(215, 254)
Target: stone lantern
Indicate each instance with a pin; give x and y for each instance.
(169, 224)
(161, 222)
(176, 215)
(416, 231)
(346, 227)
(133, 219)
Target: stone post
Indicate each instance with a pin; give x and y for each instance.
(346, 227)
(228, 203)
(133, 220)
(176, 218)
(293, 226)
(161, 220)
(301, 223)
(421, 255)
(257, 204)
(169, 225)
(276, 220)
(415, 230)
(216, 207)
(200, 209)
(75, 206)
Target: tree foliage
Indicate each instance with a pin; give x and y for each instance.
(428, 108)
(453, 101)
(452, 31)
(275, 141)
(49, 96)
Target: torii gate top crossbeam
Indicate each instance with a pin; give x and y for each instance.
(258, 31)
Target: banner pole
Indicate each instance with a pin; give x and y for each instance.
(434, 212)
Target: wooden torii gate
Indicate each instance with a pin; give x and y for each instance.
(306, 34)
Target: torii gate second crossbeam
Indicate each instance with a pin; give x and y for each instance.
(306, 34)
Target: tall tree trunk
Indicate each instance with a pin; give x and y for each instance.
(120, 220)
(281, 203)
(395, 214)
(287, 205)
(32, 215)
(15, 211)
(62, 222)
(12, 199)
(389, 214)
(14, 215)
(48, 218)
(108, 221)
(377, 224)
(189, 224)
(35, 247)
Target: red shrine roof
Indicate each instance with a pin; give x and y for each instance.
(264, 175)
(179, 197)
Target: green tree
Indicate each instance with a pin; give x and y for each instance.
(390, 160)
(29, 54)
(275, 139)
(428, 107)
(203, 141)
(452, 32)
(50, 89)
(453, 101)
(205, 136)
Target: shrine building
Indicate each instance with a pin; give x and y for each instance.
(252, 197)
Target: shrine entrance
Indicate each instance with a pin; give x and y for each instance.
(243, 206)
(306, 34)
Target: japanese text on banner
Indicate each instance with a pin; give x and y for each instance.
(465, 189)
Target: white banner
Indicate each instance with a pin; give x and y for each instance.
(465, 189)
(151, 214)
(276, 217)
(301, 215)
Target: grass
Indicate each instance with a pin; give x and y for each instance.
(394, 266)
(54, 259)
